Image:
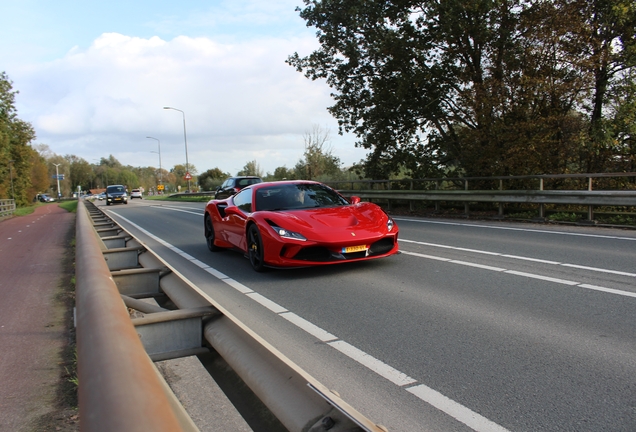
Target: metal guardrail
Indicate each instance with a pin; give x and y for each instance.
(541, 197)
(118, 387)
(7, 207)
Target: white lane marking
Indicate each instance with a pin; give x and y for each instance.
(516, 229)
(482, 252)
(545, 278)
(217, 274)
(524, 274)
(433, 257)
(449, 406)
(179, 210)
(622, 273)
(609, 290)
(264, 301)
(237, 285)
(200, 263)
(485, 267)
(380, 368)
(531, 259)
(312, 329)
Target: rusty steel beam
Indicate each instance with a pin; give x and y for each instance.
(119, 388)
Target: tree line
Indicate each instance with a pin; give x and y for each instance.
(480, 87)
(28, 169)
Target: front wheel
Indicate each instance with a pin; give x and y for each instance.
(209, 234)
(255, 249)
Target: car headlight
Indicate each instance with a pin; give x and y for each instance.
(288, 234)
(390, 224)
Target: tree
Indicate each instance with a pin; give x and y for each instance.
(318, 160)
(475, 87)
(282, 173)
(251, 168)
(604, 45)
(15, 150)
(212, 178)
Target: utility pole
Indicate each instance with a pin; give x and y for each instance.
(57, 177)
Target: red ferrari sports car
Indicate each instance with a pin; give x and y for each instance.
(298, 224)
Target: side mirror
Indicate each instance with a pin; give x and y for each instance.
(354, 199)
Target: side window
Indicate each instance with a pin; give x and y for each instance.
(226, 183)
(243, 200)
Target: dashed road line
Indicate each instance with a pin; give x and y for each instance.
(483, 252)
(516, 229)
(453, 409)
(524, 274)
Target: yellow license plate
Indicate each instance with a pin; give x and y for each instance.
(350, 249)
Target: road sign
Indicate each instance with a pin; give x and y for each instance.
(188, 176)
(58, 177)
(159, 187)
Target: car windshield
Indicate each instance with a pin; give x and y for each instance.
(297, 196)
(115, 189)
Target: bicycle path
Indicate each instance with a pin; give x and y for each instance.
(32, 329)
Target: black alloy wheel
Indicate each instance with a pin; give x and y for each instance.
(255, 249)
(209, 234)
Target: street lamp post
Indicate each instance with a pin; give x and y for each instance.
(57, 177)
(185, 139)
(158, 144)
(11, 174)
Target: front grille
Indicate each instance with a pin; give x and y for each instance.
(315, 253)
(382, 246)
(322, 254)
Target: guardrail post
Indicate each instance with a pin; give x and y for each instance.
(437, 185)
(590, 209)
(541, 206)
(466, 204)
(500, 204)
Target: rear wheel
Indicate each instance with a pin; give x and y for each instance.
(209, 234)
(255, 249)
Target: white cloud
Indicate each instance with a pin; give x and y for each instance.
(241, 101)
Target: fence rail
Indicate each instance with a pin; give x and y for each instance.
(458, 190)
(7, 207)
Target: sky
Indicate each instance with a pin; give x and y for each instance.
(93, 78)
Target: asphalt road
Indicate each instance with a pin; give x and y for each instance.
(474, 326)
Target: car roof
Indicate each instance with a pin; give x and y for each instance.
(283, 182)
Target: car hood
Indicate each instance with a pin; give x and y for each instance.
(333, 223)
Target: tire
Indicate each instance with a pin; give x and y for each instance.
(107, 203)
(209, 234)
(255, 250)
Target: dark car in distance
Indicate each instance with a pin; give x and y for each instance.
(233, 185)
(116, 194)
(45, 198)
